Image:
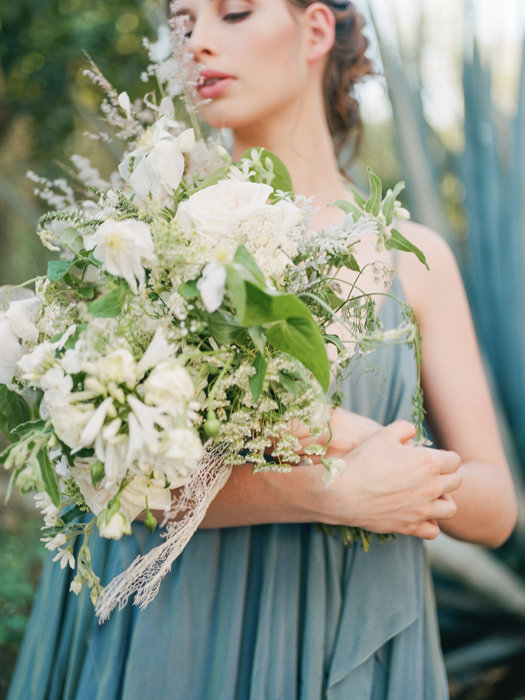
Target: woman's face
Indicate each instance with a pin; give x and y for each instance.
(250, 56)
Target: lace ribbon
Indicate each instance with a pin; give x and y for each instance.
(144, 575)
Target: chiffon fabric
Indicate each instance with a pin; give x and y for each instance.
(268, 612)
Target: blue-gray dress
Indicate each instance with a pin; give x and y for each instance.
(273, 612)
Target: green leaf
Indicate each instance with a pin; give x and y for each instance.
(86, 292)
(110, 305)
(348, 208)
(214, 178)
(335, 340)
(27, 427)
(5, 454)
(351, 263)
(289, 384)
(56, 269)
(256, 381)
(301, 338)
(387, 206)
(258, 337)
(188, 290)
(281, 176)
(14, 410)
(359, 199)
(48, 476)
(72, 514)
(225, 328)
(244, 258)
(235, 284)
(373, 203)
(399, 242)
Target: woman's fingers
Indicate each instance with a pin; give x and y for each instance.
(444, 508)
(450, 461)
(400, 430)
(451, 482)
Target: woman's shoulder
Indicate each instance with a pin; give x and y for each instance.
(423, 284)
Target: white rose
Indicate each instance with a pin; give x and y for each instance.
(287, 216)
(170, 386)
(156, 166)
(219, 208)
(122, 246)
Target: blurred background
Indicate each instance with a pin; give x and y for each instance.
(446, 113)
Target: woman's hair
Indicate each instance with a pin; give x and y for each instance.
(347, 64)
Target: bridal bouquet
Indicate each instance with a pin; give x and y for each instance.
(181, 328)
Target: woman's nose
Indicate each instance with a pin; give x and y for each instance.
(200, 42)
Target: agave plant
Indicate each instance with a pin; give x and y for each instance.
(481, 594)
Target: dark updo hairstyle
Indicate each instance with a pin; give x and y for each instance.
(347, 64)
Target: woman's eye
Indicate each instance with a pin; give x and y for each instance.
(236, 16)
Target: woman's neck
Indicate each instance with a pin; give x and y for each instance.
(305, 147)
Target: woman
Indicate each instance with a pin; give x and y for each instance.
(261, 604)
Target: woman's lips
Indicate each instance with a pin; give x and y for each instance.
(213, 83)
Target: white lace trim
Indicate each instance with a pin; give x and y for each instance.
(144, 575)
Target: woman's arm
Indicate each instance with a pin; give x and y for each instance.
(457, 397)
(389, 486)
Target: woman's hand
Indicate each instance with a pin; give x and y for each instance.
(389, 486)
(347, 430)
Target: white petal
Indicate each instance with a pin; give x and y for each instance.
(94, 424)
(18, 315)
(186, 140)
(167, 161)
(124, 102)
(144, 180)
(157, 351)
(212, 285)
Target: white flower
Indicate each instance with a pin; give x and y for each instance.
(212, 285)
(69, 421)
(157, 351)
(118, 366)
(117, 526)
(157, 165)
(122, 246)
(57, 387)
(215, 209)
(94, 425)
(400, 212)
(125, 104)
(230, 213)
(56, 541)
(65, 557)
(31, 364)
(182, 452)
(16, 325)
(48, 509)
(75, 586)
(133, 498)
(169, 386)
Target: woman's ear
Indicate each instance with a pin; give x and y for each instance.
(319, 23)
